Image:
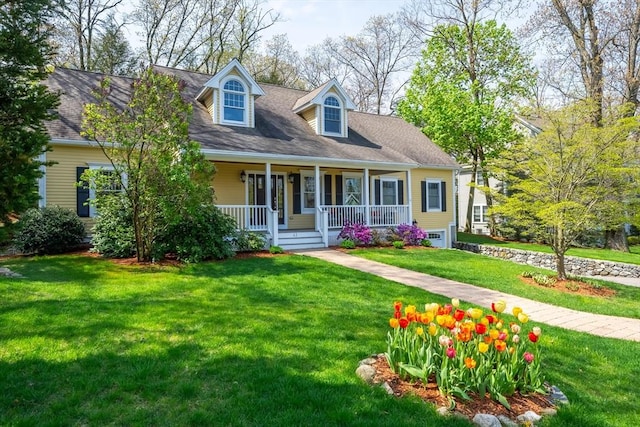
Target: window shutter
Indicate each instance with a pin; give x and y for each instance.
(297, 199)
(443, 189)
(376, 192)
(339, 200)
(423, 195)
(400, 192)
(327, 190)
(82, 194)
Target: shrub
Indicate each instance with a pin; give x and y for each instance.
(539, 278)
(202, 236)
(113, 235)
(633, 240)
(359, 233)
(398, 244)
(248, 241)
(276, 250)
(411, 234)
(426, 243)
(348, 244)
(49, 230)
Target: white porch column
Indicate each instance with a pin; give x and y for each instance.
(367, 208)
(267, 185)
(317, 196)
(409, 197)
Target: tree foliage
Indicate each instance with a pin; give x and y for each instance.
(560, 180)
(463, 90)
(162, 173)
(25, 103)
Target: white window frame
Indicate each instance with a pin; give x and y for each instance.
(483, 214)
(92, 191)
(395, 181)
(310, 174)
(479, 178)
(346, 176)
(426, 195)
(341, 112)
(245, 95)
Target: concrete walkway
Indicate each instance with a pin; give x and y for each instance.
(596, 324)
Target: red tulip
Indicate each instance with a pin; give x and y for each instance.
(458, 315)
(451, 352)
(481, 329)
(404, 322)
(533, 337)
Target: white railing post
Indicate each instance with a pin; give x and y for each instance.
(274, 226)
(325, 227)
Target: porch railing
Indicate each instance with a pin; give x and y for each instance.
(378, 215)
(250, 217)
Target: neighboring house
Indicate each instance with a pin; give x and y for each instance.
(292, 164)
(480, 220)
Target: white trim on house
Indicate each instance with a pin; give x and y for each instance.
(215, 81)
(426, 195)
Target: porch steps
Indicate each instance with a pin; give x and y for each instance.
(292, 240)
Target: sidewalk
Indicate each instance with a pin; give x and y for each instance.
(595, 324)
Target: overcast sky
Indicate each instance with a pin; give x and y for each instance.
(309, 22)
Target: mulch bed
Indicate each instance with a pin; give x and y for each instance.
(576, 287)
(469, 408)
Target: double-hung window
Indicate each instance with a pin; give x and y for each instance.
(434, 196)
(389, 190)
(332, 114)
(234, 102)
(480, 213)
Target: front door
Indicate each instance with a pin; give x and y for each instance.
(257, 193)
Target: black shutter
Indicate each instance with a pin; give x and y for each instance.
(443, 189)
(297, 199)
(82, 194)
(423, 195)
(339, 200)
(400, 192)
(376, 192)
(327, 190)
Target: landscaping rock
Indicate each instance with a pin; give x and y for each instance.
(528, 417)
(506, 421)
(387, 388)
(368, 361)
(8, 273)
(366, 372)
(443, 411)
(486, 420)
(549, 412)
(557, 397)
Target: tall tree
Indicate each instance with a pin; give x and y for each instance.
(162, 172)
(462, 94)
(25, 103)
(319, 66)
(382, 49)
(86, 18)
(112, 52)
(560, 180)
(279, 63)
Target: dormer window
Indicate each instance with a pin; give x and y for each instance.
(234, 102)
(332, 114)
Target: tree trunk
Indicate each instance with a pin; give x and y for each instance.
(616, 240)
(562, 274)
(472, 191)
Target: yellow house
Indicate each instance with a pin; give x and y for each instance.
(292, 164)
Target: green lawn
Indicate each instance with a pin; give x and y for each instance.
(259, 341)
(633, 257)
(501, 275)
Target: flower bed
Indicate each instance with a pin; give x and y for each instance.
(465, 350)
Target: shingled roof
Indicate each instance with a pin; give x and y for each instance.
(278, 130)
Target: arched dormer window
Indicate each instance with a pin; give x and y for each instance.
(332, 116)
(234, 102)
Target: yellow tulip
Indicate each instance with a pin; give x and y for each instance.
(455, 302)
(516, 311)
(419, 331)
(433, 330)
(483, 347)
(475, 313)
(394, 323)
(499, 306)
(410, 309)
(523, 318)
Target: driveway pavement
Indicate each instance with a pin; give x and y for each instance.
(595, 324)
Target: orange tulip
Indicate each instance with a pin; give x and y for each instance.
(393, 322)
(469, 362)
(500, 345)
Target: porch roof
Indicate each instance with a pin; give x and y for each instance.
(278, 132)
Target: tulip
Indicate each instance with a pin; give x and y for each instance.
(500, 345)
(474, 313)
(397, 305)
(404, 322)
(490, 318)
(447, 309)
(458, 315)
(433, 329)
(449, 322)
(494, 334)
(515, 328)
(469, 362)
(523, 318)
(481, 329)
(498, 306)
(397, 314)
(455, 302)
(502, 336)
(419, 331)
(483, 347)
(533, 337)
(412, 317)
(516, 311)
(410, 309)
(487, 339)
(499, 324)
(536, 331)
(433, 307)
(393, 322)
(451, 352)
(516, 339)
(440, 319)
(528, 357)
(444, 340)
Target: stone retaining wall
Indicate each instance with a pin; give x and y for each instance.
(573, 265)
